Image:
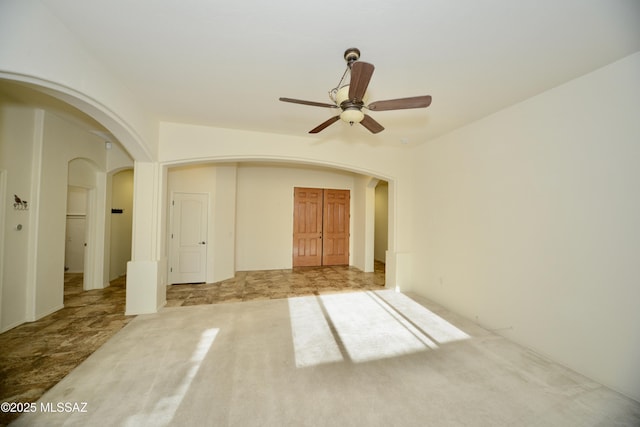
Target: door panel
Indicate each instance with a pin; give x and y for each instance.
(307, 227)
(75, 246)
(188, 238)
(320, 227)
(335, 235)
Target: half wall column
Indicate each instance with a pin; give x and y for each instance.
(146, 272)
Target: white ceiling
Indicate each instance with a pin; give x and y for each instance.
(225, 63)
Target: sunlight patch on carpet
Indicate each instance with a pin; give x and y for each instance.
(312, 338)
(166, 407)
(364, 326)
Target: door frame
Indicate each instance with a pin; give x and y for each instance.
(322, 260)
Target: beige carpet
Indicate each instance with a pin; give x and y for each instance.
(374, 358)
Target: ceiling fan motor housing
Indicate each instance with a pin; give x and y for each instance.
(352, 55)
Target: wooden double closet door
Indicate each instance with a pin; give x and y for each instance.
(320, 227)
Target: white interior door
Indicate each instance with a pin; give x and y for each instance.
(76, 245)
(188, 238)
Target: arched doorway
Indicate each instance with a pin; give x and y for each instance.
(236, 237)
(57, 126)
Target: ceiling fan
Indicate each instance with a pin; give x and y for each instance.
(348, 96)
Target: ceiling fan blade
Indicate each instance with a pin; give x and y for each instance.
(361, 73)
(325, 124)
(401, 104)
(312, 103)
(372, 125)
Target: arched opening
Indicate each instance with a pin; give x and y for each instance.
(82, 108)
(53, 153)
(235, 189)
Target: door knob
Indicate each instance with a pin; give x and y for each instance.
(202, 243)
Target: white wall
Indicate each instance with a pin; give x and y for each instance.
(218, 182)
(381, 221)
(251, 211)
(76, 200)
(363, 209)
(147, 270)
(65, 69)
(81, 174)
(118, 158)
(264, 225)
(183, 143)
(35, 149)
(16, 152)
(223, 243)
(530, 222)
(61, 143)
(121, 223)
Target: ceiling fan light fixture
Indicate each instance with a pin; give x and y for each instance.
(342, 95)
(352, 115)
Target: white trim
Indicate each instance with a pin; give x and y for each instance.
(11, 326)
(48, 312)
(127, 134)
(36, 185)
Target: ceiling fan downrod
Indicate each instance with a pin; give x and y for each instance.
(351, 55)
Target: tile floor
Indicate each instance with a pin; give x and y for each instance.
(35, 356)
(275, 284)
